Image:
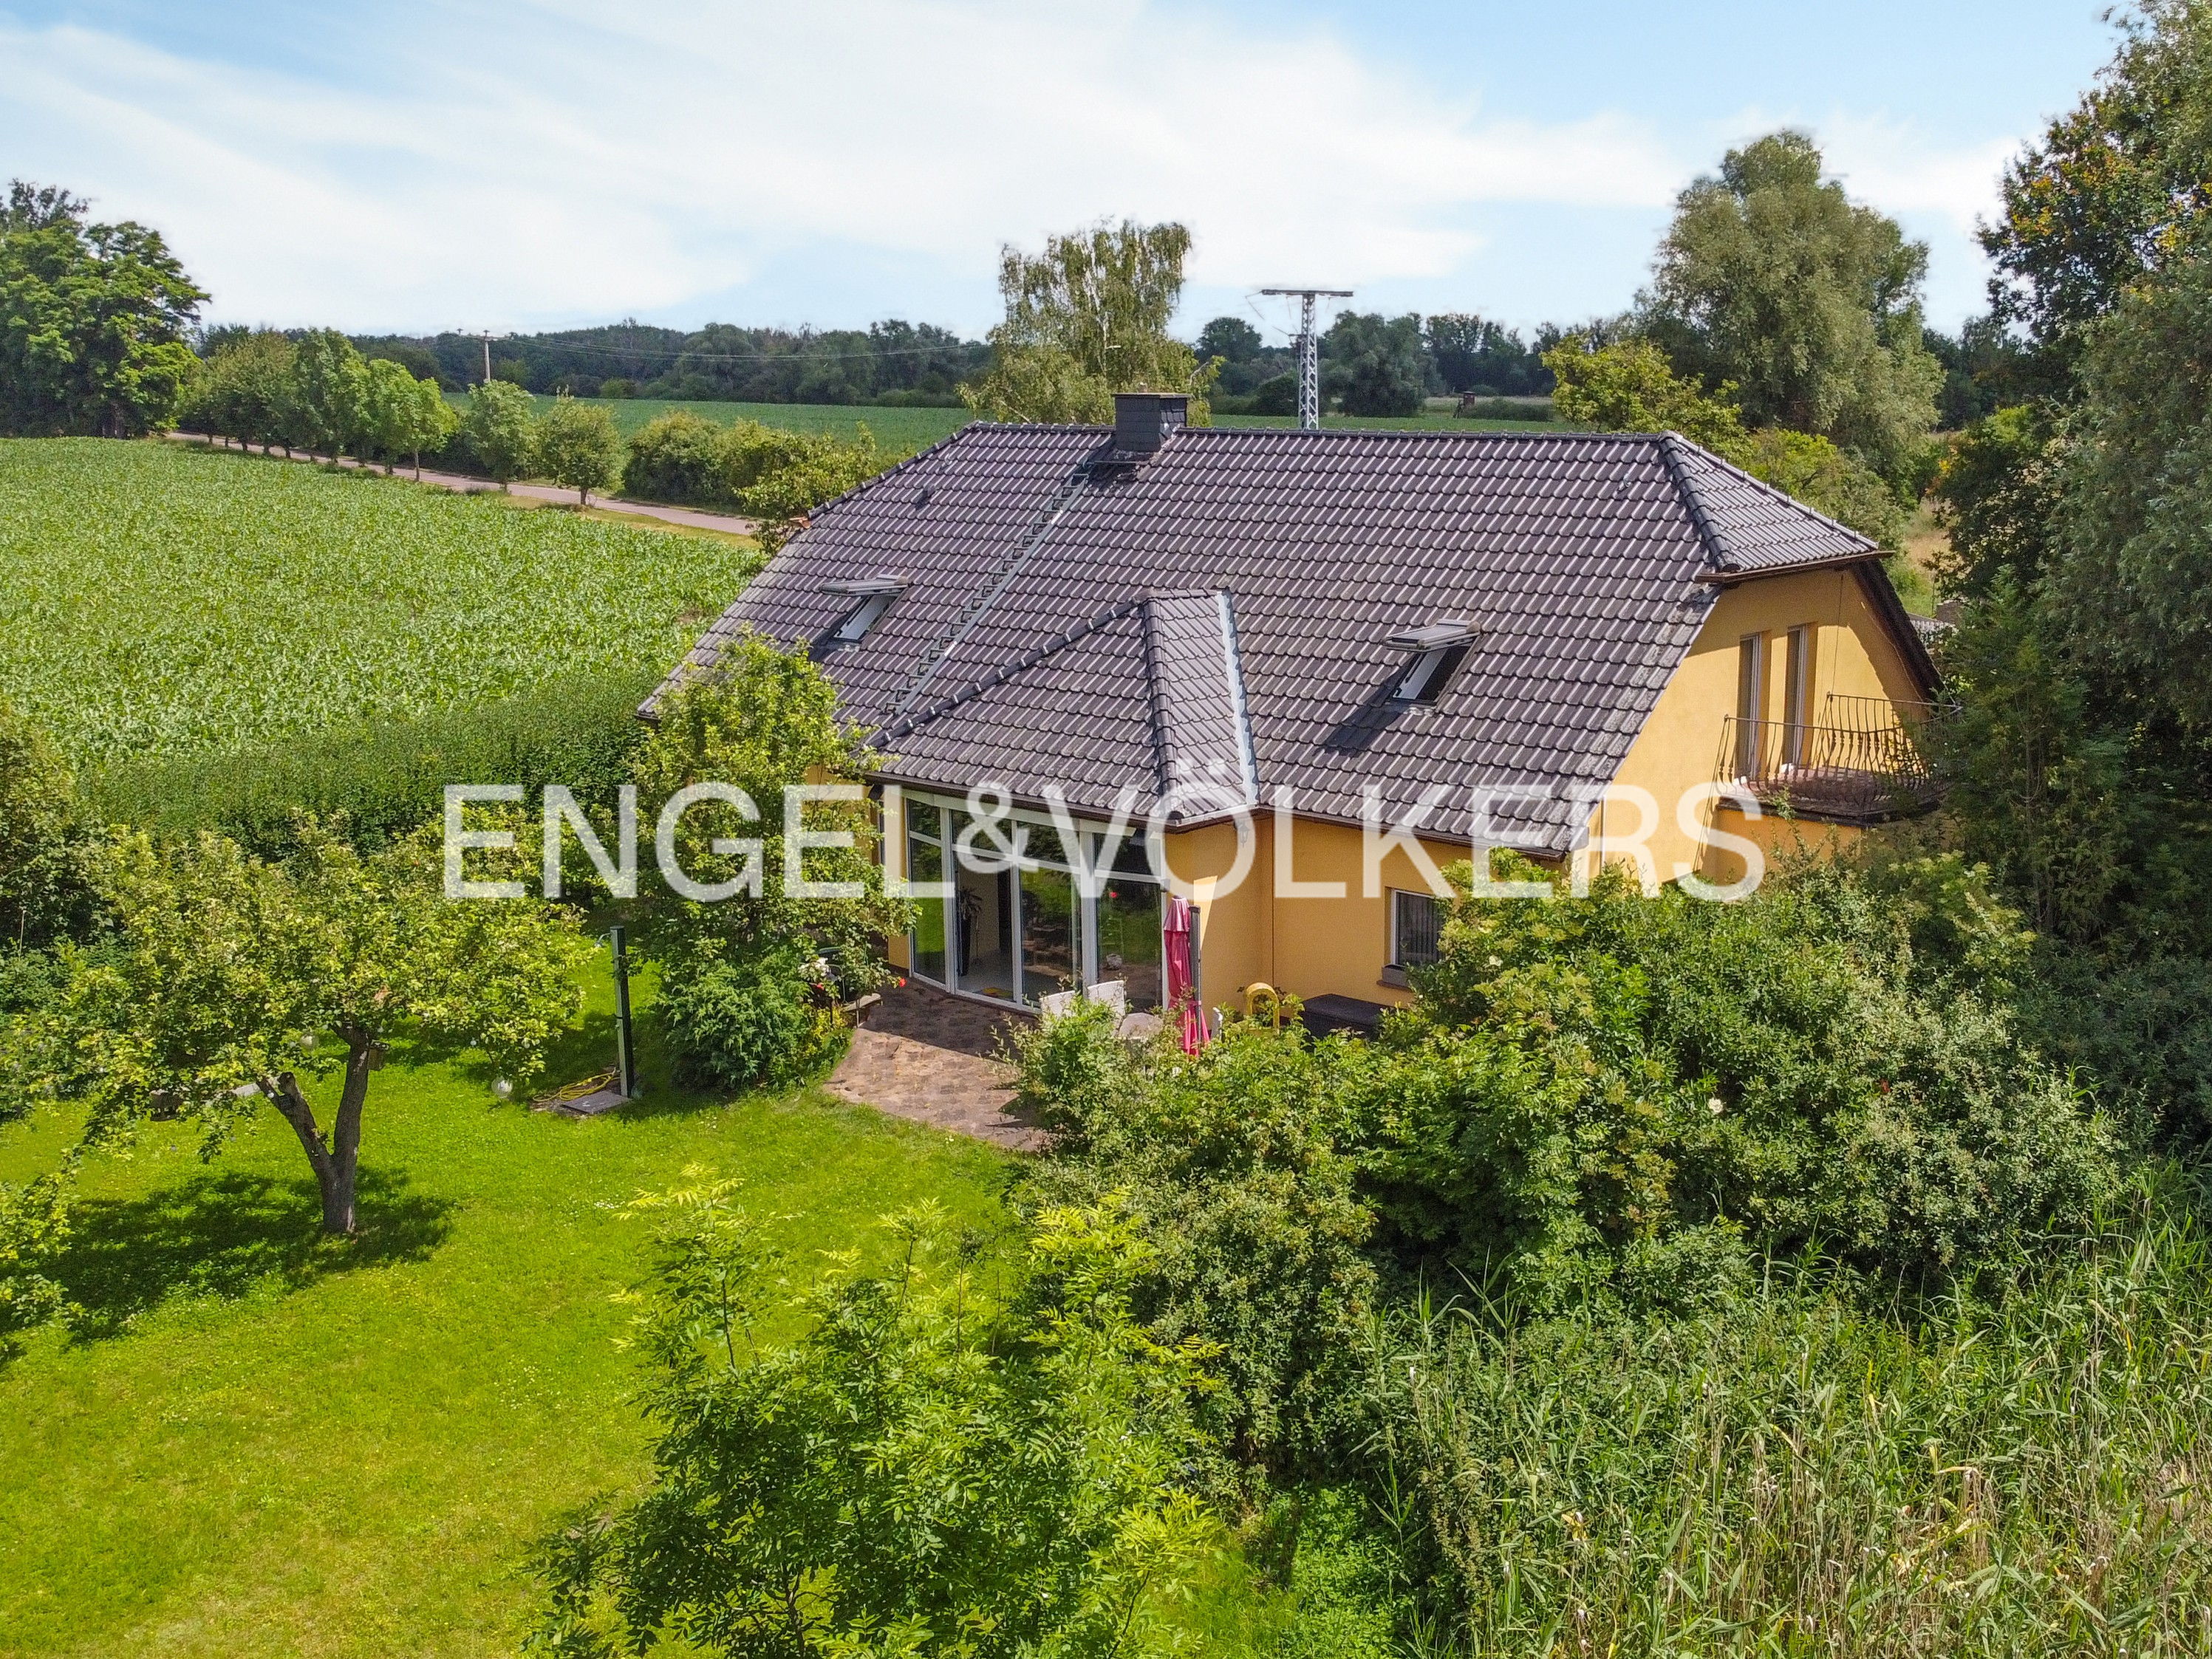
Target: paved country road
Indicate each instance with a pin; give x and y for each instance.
(728, 523)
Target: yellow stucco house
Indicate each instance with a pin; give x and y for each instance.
(1289, 674)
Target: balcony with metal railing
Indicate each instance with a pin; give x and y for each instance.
(1864, 763)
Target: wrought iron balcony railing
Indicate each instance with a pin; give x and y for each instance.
(1863, 764)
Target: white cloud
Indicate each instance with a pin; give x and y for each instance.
(567, 160)
(520, 164)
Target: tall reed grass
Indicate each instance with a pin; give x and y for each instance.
(2020, 1471)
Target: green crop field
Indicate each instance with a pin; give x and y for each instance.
(157, 600)
(903, 431)
(900, 431)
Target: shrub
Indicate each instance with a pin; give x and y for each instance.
(774, 475)
(1235, 1167)
(34, 1226)
(1826, 479)
(680, 456)
(745, 1021)
(927, 1469)
(734, 970)
(1507, 409)
(1279, 396)
(1629, 385)
(778, 477)
(43, 893)
(1831, 1062)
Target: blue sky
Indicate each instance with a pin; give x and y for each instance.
(415, 167)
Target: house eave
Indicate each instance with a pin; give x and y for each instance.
(1714, 577)
(1175, 823)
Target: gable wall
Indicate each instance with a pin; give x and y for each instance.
(1854, 654)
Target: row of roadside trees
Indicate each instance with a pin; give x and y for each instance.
(317, 394)
(314, 393)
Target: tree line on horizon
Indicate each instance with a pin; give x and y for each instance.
(106, 338)
(897, 363)
(1371, 364)
(317, 395)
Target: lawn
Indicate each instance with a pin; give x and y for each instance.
(903, 431)
(258, 1444)
(162, 600)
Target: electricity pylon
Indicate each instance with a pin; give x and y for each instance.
(1310, 350)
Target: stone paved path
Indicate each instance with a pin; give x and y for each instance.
(919, 1053)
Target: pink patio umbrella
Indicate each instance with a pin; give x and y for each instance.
(1183, 994)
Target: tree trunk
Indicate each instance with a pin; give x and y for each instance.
(336, 1160)
(345, 1149)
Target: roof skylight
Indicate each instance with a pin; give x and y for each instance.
(1437, 648)
(873, 595)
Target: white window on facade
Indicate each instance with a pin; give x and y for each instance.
(1797, 692)
(1417, 925)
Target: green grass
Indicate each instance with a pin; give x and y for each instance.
(903, 431)
(162, 600)
(260, 1443)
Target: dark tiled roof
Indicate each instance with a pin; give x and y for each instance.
(1753, 526)
(1154, 686)
(1221, 612)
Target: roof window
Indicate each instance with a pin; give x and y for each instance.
(1438, 648)
(871, 597)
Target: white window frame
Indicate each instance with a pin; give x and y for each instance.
(1751, 705)
(1397, 962)
(863, 617)
(1797, 691)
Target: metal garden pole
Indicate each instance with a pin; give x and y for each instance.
(625, 1050)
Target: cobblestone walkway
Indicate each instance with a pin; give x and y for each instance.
(919, 1053)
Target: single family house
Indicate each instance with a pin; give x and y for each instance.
(1324, 665)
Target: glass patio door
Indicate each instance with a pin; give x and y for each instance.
(924, 863)
(984, 914)
(1052, 956)
(1019, 935)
